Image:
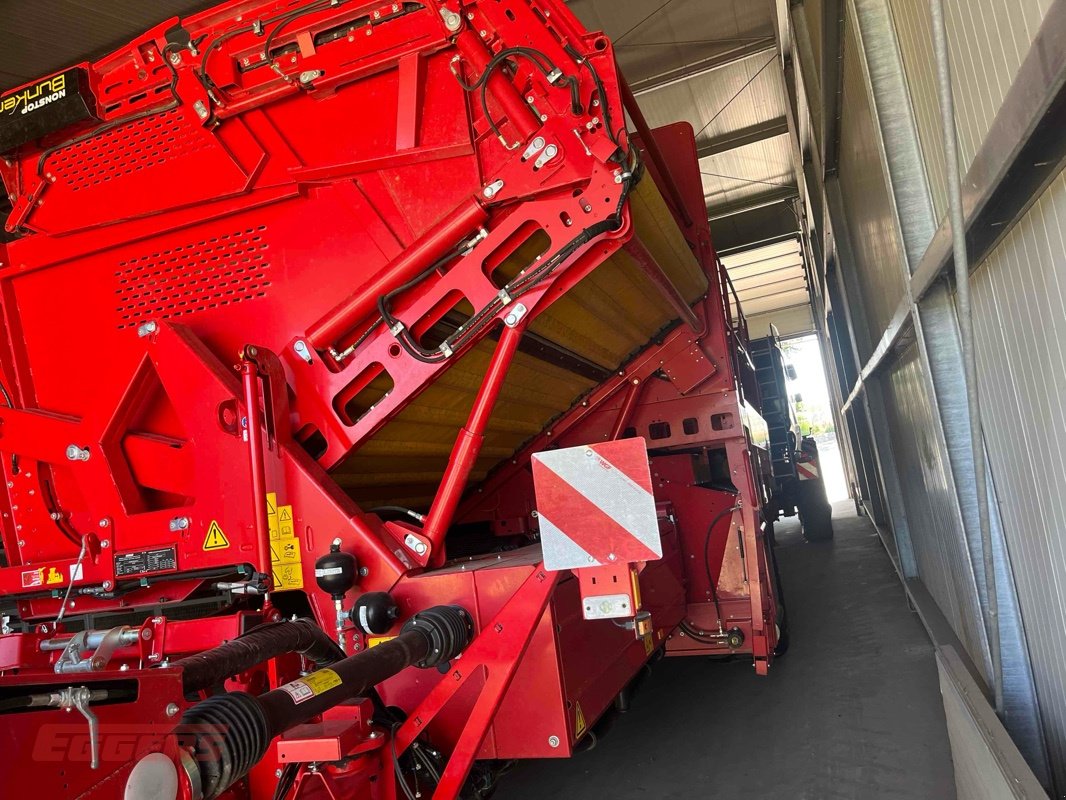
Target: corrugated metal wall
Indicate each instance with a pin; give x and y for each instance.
(939, 549)
(1020, 328)
(890, 149)
(871, 220)
(988, 40)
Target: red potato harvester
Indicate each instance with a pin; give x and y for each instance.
(374, 407)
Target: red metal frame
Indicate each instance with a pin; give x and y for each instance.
(194, 297)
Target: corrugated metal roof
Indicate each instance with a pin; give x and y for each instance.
(768, 278)
(652, 37)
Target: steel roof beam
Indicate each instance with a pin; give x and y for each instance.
(759, 132)
(703, 66)
(751, 203)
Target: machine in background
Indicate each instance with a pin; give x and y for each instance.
(799, 487)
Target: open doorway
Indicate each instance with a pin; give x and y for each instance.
(813, 410)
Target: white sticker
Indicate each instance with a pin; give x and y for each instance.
(76, 573)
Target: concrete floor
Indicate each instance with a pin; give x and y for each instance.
(853, 710)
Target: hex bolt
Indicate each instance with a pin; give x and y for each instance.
(172, 709)
(553, 741)
(76, 453)
(147, 329)
(180, 524)
(175, 58)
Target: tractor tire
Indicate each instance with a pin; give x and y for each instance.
(815, 513)
(782, 631)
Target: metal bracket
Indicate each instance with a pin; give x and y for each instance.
(515, 315)
(102, 643)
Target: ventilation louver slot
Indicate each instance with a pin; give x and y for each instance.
(124, 150)
(220, 271)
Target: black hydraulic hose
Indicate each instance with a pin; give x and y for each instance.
(233, 731)
(304, 636)
(707, 563)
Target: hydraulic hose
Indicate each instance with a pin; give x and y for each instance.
(304, 636)
(233, 731)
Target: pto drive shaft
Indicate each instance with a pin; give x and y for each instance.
(233, 731)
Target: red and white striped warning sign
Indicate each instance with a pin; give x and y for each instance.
(807, 470)
(595, 505)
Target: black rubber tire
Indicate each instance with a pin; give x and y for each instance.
(782, 631)
(815, 513)
(781, 619)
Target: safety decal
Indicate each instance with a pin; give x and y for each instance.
(374, 641)
(215, 539)
(44, 576)
(595, 505)
(579, 720)
(807, 470)
(286, 560)
(312, 685)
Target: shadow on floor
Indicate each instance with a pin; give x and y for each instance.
(853, 710)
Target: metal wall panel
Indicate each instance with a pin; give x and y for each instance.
(1020, 331)
(940, 551)
(867, 202)
(988, 41)
(988, 765)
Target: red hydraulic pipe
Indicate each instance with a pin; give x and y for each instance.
(254, 432)
(429, 248)
(629, 402)
(514, 105)
(653, 151)
(647, 263)
(468, 444)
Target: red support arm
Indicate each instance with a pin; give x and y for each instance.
(468, 444)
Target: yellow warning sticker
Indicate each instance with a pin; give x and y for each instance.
(285, 558)
(579, 720)
(311, 686)
(285, 551)
(285, 526)
(287, 577)
(374, 641)
(215, 539)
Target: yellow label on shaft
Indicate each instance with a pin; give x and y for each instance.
(374, 641)
(312, 685)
